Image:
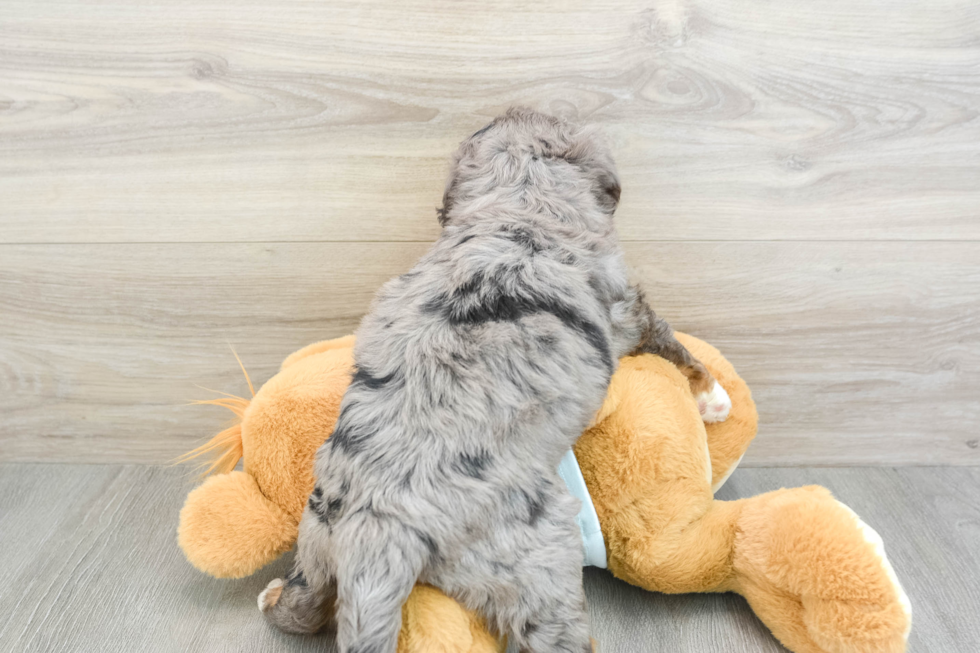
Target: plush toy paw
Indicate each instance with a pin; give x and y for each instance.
(871, 536)
(714, 405)
(817, 575)
(270, 595)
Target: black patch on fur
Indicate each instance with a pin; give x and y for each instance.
(591, 332)
(347, 439)
(333, 508)
(478, 301)
(469, 287)
(364, 378)
(524, 238)
(535, 509)
(508, 308)
(317, 508)
(535, 504)
(315, 503)
(296, 579)
(528, 628)
(328, 511)
(472, 465)
(430, 544)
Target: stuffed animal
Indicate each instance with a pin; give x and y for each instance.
(814, 573)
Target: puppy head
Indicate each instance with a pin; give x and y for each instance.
(533, 160)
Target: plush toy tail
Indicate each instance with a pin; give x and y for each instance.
(226, 447)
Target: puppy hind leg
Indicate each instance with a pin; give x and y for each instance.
(294, 605)
(539, 602)
(560, 624)
(373, 582)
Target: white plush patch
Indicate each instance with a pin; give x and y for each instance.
(871, 537)
(714, 405)
(274, 583)
(728, 475)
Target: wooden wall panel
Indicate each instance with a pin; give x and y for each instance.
(858, 353)
(800, 186)
(220, 121)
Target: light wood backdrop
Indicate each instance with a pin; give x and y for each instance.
(801, 187)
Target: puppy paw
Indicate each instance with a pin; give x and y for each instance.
(714, 405)
(270, 595)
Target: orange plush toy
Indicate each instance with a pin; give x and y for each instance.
(814, 573)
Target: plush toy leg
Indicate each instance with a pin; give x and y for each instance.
(681, 555)
(434, 623)
(646, 463)
(816, 575)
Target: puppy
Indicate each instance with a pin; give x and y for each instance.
(475, 372)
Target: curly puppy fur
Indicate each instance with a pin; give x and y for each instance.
(475, 372)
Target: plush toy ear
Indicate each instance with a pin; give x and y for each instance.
(229, 529)
(346, 342)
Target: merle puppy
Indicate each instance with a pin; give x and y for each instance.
(475, 372)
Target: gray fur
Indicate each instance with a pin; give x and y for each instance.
(476, 371)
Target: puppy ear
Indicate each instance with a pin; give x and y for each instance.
(589, 150)
(612, 192)
(229, 529)
(607, 191)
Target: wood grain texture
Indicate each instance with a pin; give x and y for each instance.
(130, 333)
(90, 563)
(855, 352)
(800, 187)
(223, 120)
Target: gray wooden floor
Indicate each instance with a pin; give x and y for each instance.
(89, 562)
